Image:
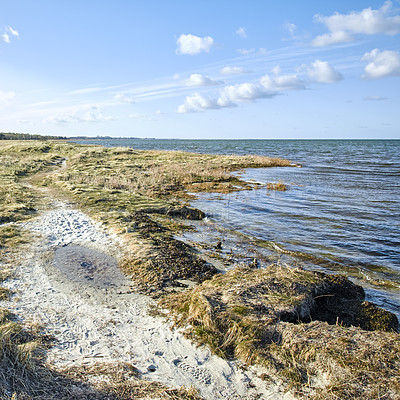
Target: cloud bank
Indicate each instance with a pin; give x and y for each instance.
(342, 27)
(267, 87)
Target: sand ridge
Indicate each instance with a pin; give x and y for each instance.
(109, 324)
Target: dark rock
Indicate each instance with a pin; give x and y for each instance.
(151, 368)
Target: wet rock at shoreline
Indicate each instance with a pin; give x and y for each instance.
(186, 213)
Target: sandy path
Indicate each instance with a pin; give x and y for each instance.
(97, 323)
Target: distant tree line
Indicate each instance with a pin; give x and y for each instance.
(27, 136)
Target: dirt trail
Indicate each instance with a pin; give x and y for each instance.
(80, 298)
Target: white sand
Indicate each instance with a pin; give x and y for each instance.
(96, 324)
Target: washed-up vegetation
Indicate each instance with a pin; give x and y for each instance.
(311, 330)
(279, 186)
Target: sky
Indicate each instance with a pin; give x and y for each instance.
(255, 69)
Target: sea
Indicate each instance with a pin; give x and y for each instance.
(340, 212)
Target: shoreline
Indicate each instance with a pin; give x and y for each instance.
(146, 221)
(238, 247)
(81, 316)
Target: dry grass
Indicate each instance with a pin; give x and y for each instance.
(19, 355)
(264, 317)
(279, 186)
(154, 174)
(23, 375)
(19, 160)
(121, 381)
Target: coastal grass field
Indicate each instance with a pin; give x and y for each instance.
(312, 332)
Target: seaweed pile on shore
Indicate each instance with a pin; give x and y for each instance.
(168, 261)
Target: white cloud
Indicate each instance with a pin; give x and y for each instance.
(267, 87)
(374, 98)
(282, 82)
(123, 98)
(196, 103)
(87, 90)
(87, 113)
(229, 96)
(291, 28)
(245, 52)
(367, 21)
(381, 64)
(200, 80)
(241, 32)
(245, 92)
(322, 72)
(5, 38)
(191, 44)
(276, 70)
(138, 116)
(233, 71)
(6, 97)
(13, 31)
(332, 38)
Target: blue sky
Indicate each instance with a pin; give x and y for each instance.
(209, 69)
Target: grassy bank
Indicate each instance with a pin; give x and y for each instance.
(313, 332)
(310, 330)
(136, 193)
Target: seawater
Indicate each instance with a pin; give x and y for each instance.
(342, 208)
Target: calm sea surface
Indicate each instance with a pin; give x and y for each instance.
(341, 211)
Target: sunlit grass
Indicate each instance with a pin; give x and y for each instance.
(264, 317)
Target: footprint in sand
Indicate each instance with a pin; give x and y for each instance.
(201, 375)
